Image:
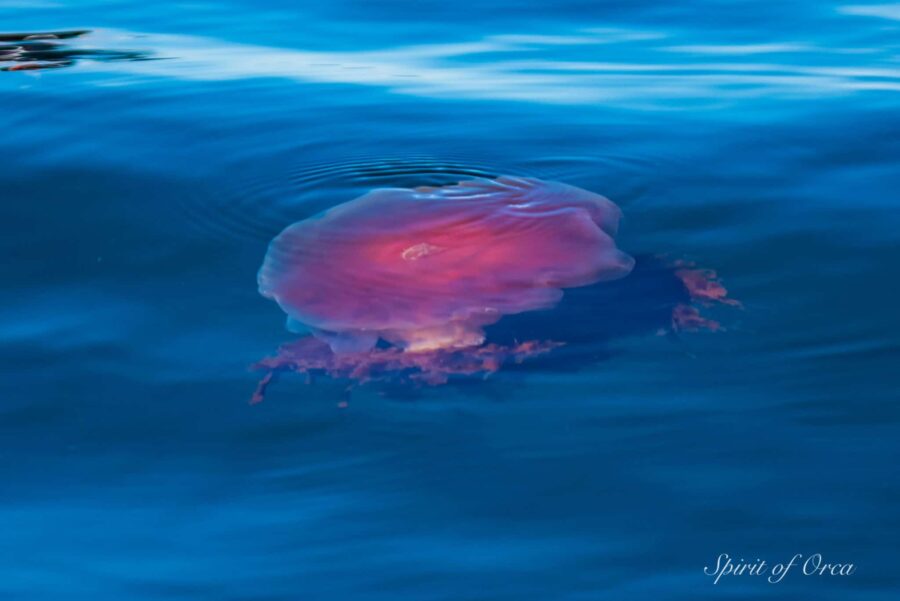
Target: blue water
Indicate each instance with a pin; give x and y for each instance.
(143, 176)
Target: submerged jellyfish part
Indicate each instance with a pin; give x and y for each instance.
(348, 342)
(311, 356)
(704, 288)
(296, 327)
(660, 296)
(429, 268)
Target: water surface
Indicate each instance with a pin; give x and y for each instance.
(145, 174)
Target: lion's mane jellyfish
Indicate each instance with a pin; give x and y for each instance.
(402, 283)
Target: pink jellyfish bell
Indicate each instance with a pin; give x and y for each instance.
(426, 269)
(402, 282)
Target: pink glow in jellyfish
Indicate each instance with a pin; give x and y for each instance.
(424, 270)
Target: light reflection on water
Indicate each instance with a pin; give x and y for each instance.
(585, 67)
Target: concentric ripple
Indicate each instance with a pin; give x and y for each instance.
(259, 208)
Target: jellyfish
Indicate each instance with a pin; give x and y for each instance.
(407, 282)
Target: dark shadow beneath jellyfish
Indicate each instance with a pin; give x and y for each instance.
(427, 284)
(48, 50)
(659, 297)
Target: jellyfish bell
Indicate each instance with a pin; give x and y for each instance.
(426, 269)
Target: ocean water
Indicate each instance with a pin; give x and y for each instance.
(148, 163)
